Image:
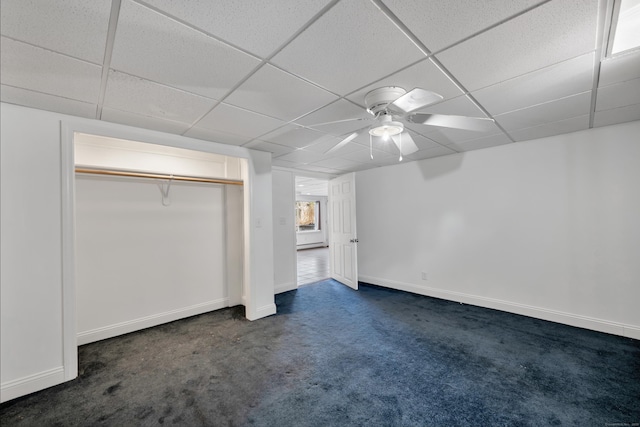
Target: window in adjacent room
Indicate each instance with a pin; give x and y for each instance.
(307, 216)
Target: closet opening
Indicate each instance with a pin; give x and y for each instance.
(158, 234)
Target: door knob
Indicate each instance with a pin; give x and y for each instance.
(354, 240)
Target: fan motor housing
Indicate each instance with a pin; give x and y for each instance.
(378, 99)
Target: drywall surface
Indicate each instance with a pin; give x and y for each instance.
(38, 347)
(31, 353)
(141, 262)
(284, 239)
(547, 228)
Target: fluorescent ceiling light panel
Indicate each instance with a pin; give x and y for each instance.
(627, 31)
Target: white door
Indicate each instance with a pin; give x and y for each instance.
(342, 223)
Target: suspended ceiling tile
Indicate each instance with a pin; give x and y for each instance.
(438, 27)
(350, 46)
(327, 142)
(629, 113)
(556, 81)
(140, 121)
(450, 136)
(76, 28)
(152, 46)
(336, 163)
(618, 95)
(460, 106)
(259, 27)
(551, 33)
(551, 129)
(42, 101)
(565, 108)
(339, 110)
(213, 135)
(620, 69)
(136, 95)
(227, 118)
(301, 156)
(278, 94)
(284, 164)
(40, 70)
(275, 149)
(312, 168)
(424, 75)
(480, 143)
(293, 136)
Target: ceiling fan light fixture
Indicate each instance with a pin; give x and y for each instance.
(387, 129)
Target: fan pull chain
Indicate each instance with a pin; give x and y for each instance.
(400, 147)
(371, 146)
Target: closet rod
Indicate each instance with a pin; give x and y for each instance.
(158, 176)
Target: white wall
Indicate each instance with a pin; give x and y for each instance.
(34, 348)
(284, 233)
(31, 350)
(140, 263)
(547, 228)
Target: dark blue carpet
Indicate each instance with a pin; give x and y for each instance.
(337, 357)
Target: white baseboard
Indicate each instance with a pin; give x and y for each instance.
(579, 321)
(32, 383)
(264, 311)
(110, 331)
(284, 287)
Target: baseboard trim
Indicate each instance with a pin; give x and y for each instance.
(31, 383)
(264, 311)
(110, 331)
(570, 319)
(285, 287)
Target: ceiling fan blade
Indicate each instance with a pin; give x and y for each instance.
(415, 99)
(342, 143)
(405, 143)
(456, 122)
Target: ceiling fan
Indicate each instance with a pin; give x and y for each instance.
(392, 106)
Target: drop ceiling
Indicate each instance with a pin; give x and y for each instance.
(264, 74)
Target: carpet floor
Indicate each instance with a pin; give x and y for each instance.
(336, 357)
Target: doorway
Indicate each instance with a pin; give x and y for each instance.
(312, 236)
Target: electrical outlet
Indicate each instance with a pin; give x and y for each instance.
(424, 276)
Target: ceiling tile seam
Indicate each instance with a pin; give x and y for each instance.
(400, 26)
(108, 53)
(415, 40)
(603, 31)
(470, 97)
(195, 28)
(148, 116)
(430, 139)
(382, 78)
(52, 51)
(492, 26)
(49, 94)
(549, 123)
(174, 88)
(497, 116)
(263, 60)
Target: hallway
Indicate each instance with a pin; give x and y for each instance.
(313, 265)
